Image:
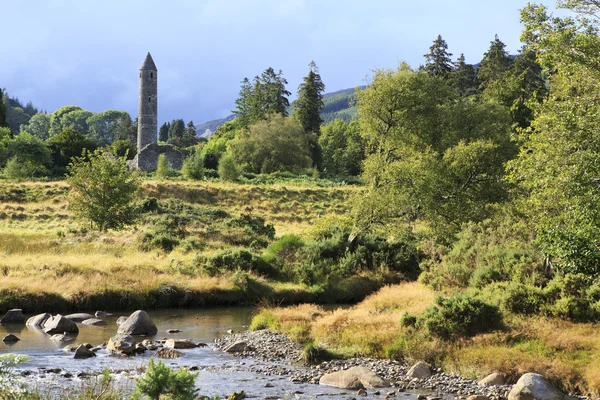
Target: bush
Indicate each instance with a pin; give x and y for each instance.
(15, 169)
(408, 320)
(162, 167)
(193, 166)
(232, 260)
(228, 170)
(161, 380)
(460, 316)
(515, 297)
(253, 224)
(315, 354)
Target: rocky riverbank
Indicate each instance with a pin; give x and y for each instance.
(399, 376)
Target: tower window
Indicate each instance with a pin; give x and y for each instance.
(151, 75)
(149, 99)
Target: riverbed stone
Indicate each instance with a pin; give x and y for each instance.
(168, 353)
(534, 387)
(121, 344)
(14, 316)
(79, 317)
(180, 344)
(121, 319)
(237, 347)
(60, 337)
(102, 314)
(420, 371)
(82, 352)
(353, 378)
(60, 324)
(492, 379)
(478, 397)
(138, 323)
(94, 322)
(10, 338)
(39, 320)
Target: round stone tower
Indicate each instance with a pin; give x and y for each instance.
(148, 105)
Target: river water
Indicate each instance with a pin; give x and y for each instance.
(219, 373)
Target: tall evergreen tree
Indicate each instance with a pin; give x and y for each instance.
(494, 64)
(245, 107)
(3, 120)
(163, 132)
(438, 61)
(308, 105)
(189, 135)
(464, 77)
(176, 130)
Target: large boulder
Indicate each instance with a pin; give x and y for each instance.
(83, 352)
(534, 387)
(237, 347)
(138, 323)
(180, 344)
(94, 322)
(492, 379)
(60, 324)
(353, 378)
(420, 371)
(79, 317)
(39, 320)
(121, 344)
(14, 316)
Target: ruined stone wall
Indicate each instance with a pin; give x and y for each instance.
(147, 158)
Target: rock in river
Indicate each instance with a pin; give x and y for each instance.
(83, 352)
(94, 322)
(121, 319)
(420, 371)
(10, 338)
(534, 387)
(38, 320)
(60, 324)
(353, 378)
(121, 344)
(102, 314)
(180, 344)
(138, 323)
(168, 353)
(79, 317)
(14, 316)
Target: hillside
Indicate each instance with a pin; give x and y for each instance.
(336, 105)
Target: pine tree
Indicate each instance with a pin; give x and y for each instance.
(464, 77)
(3, 120)
(163, 133)
(495, 63)
(245, 102)
(308, 106)
(176, 130)
(438, 61)
(189, 135)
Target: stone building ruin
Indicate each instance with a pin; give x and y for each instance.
(147, 125)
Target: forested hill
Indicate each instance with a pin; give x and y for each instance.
(336, 105)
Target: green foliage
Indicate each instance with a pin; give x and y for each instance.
(193, 165)
(3, 120)
(460, 316)
(263, 96)
(342, 148)
(463, 77)
(31, 153)
(176, 131)
(103, 190)
(38, 126)
(438, 61)
(10, 386)
(308, 105)
(69, 144)
(233, 260)
(217, 144)
(494, 64)
(124, 148)
(276, 144)
(107, 126)
(253, 224)
(408, 320)
(163, 132)
(161, 380)
(557, 166)
(432, 153)
(315, 354)
(20, 170)
(163, 170)
(228, 170)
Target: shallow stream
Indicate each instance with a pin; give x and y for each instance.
(219, 373)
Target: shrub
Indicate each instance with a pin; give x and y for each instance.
(253, 224)
(162, 167)
(515, 297)
(161, 380)
(460, 316)
(228, 170)
(232, 260)
(408, 320)
(193, 166)
(264, 320)
(15, 169)
(315, 354)
(148, 205)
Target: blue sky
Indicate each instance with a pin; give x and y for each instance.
(88, 53)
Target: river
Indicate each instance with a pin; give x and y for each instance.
(219, 373)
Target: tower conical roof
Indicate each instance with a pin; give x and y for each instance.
(149, 63)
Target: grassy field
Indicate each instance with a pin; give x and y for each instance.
(567, 353)
(49, 261)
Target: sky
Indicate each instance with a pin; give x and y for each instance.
(88, 53)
